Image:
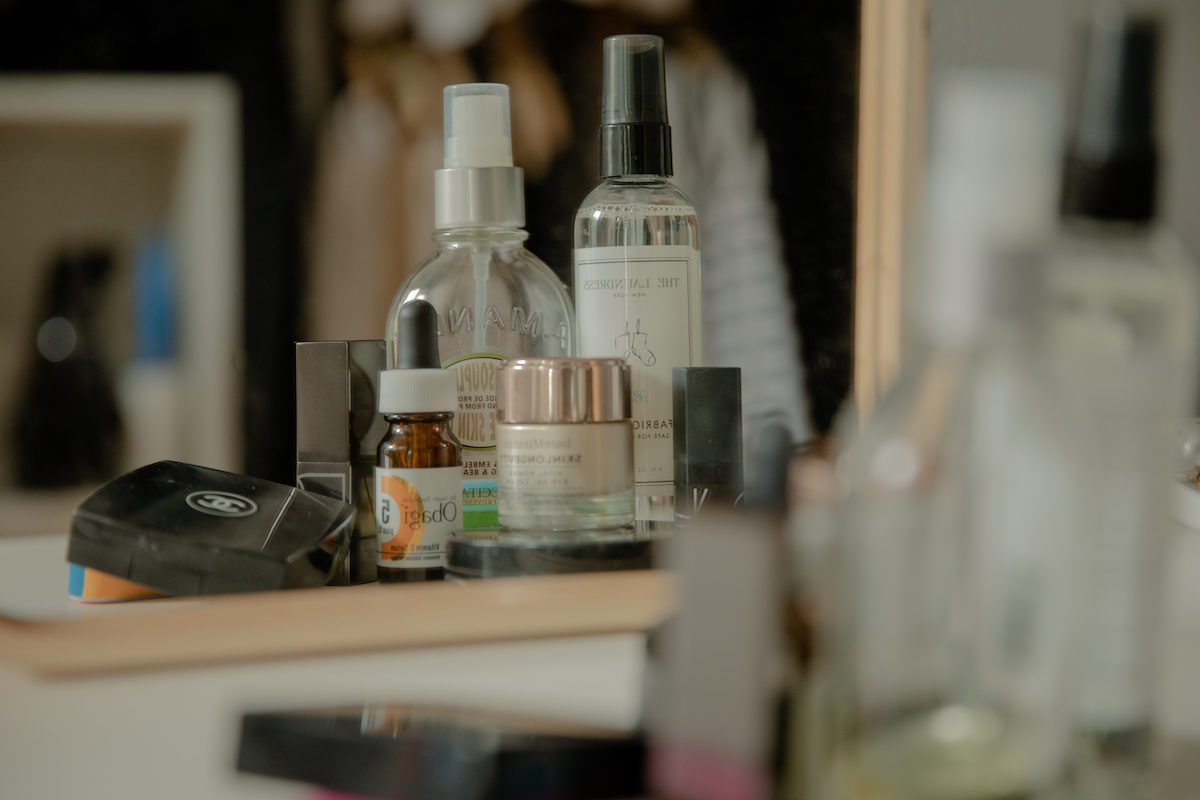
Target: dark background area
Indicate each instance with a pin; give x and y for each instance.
(247, 42)
(801, 59)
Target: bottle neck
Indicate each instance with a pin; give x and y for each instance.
(478, 196)
(480, 234)
(636, 180)
(433, 419)
(1081, 225)
(636, 149)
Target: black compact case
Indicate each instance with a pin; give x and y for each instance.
(186, 529)
(414, 753)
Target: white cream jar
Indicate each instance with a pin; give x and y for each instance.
(564, 444)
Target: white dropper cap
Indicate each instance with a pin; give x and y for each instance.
(416, 391)
(418, 383)
(477, 133)
(478, 184)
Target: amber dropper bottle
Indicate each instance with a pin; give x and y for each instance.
(418, 472)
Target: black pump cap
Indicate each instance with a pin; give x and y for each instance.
(416, 342)
(635, 138)
(1110, 167)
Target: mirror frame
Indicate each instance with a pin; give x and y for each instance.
(893, 81)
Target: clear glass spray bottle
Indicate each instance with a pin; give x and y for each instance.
(494, 299)
(637, 260)
(1122, 323)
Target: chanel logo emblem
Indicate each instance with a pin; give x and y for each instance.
(222, 504)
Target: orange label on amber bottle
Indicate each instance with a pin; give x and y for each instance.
(416, 510)
(403, 497)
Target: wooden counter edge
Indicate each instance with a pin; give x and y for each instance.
(333, 620)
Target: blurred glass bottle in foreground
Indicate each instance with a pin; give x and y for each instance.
(941, 670)
(1122, 314)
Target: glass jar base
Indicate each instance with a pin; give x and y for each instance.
(540, 512)
(551, 552)
(562, 523)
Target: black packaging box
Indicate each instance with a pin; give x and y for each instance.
(338, 428)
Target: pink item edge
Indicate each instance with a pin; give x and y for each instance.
(682, 771)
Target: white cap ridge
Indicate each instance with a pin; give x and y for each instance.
(416, 391)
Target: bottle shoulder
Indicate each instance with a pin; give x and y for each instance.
(503, 262)
(490, 298)
(419, 441)
(638, 197)
(1114, 247)
(451, 274)
(1137, 284)
(941, 408)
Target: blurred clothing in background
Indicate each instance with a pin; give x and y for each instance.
(382, 142)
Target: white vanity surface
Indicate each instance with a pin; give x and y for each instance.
(173, 733)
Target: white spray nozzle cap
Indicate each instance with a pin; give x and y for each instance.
(477, 131)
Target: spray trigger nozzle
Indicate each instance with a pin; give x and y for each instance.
(477, 127)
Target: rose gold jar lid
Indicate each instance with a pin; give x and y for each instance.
(553, 390)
